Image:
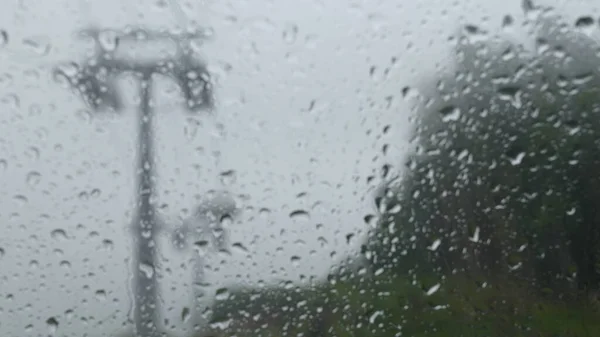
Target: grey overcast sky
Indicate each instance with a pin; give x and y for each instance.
(62, 168)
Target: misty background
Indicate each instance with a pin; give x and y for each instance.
(303, 94)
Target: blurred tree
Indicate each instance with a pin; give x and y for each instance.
(503, 185)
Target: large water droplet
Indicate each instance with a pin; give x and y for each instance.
(59, 234)
(300, 214)
(584, 22)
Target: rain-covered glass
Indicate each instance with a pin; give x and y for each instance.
(300, 168)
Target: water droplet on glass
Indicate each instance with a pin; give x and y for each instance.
(34, 264)
(101, 295)
(584, 22)
(433, 290)
(434, 246)
(201, 246)
(95, 193)
(264, 213)
(240, 247)
(374, 316)
(290, 33)
(38, 46)
(450, 113)
(107, 244)
(222, 294)
(21, 199)
(109, 40)
(147, 269)
(295, 260)
(2, 252)
(33, 178)
(475, 236)
(3, 164)
(475, 33)
(527, 6)
(300, 214)
(511, 94)
(83, 196)
(516, 158)
(507, 21)
(33, 153)
(191, 128)
(59, 234)
(228, 177)
(52, 324)
(185, 314)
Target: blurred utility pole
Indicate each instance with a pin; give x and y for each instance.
(96, 82)
(205, 229)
